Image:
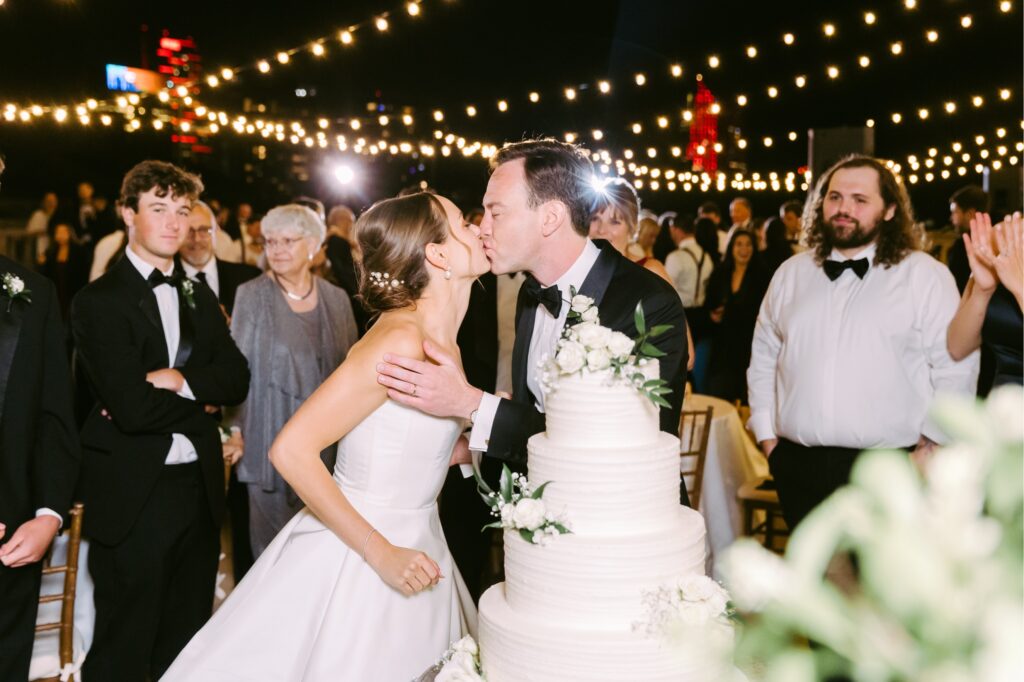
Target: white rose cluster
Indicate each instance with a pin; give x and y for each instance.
(692, 602)
(461, 663)
(15, 285)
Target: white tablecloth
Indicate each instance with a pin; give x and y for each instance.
(732, 460)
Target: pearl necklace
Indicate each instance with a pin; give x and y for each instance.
(295, 297)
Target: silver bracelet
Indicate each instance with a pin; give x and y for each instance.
(367, 540)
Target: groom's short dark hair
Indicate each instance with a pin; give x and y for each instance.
(555, 171)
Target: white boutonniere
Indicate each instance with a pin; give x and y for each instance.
(14, 289)
(188, 290)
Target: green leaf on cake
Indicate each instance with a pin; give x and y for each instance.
(651, 351)
(526, 535)
(540, 490)
(506, 483)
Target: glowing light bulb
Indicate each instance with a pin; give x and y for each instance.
(345, 37)
(869, 18)
(604, 86)
(788, 38)
(829, 29)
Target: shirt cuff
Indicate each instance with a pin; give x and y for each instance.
(46, 511)
(480, 436)
(761, 425)
(186, 391)
(467, 469)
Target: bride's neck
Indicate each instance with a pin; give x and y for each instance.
(442, 309)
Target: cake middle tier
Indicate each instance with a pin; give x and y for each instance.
(608, 489)
(599, 579)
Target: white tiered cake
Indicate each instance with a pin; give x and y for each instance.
(566, 610)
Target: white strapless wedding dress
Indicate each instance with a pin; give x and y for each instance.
(312, 610)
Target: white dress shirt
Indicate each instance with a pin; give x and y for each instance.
(182, 451)
(546, 331)
(856, 362)
(210, 270)
(689, 278)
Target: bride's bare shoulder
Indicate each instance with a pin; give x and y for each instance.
(393, 336)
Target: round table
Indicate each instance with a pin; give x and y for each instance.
(732, 460)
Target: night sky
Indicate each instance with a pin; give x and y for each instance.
(477, 51)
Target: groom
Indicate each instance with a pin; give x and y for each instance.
(537, 206)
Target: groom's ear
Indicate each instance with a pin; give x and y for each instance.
(554, 214)
(436, 256)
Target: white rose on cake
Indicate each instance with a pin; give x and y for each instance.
(467, 644)
(593, 335)
(461, 668)
(571, 357)
(598, 359)
(529, 514)
(589, 315)
(620, 345)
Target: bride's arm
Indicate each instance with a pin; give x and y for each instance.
(347, 397)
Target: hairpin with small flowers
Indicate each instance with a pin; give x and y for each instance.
(383, 280)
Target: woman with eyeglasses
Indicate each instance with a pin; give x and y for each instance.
(295, 329)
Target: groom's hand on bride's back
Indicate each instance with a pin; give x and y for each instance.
(438, 387)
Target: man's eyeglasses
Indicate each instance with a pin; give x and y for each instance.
(197, 232)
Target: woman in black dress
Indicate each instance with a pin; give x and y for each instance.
(733, 300)
(990, 310)
(777, 247)
(66, 263)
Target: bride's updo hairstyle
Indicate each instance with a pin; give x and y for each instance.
(392, 236)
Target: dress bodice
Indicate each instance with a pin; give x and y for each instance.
(397, 457)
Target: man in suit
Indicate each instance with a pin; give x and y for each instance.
(157, 353)
(38, 451)
(223, 278)
(537, 213)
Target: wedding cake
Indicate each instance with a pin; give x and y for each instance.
(567, 608)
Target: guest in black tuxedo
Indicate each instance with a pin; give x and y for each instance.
(537, 213)
(341, 256)
(157, 352)
(223, 278)
(38, 453)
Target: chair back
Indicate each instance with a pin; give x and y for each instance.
(66, 624)
(694, 431)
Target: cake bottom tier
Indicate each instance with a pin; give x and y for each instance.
(515, 648)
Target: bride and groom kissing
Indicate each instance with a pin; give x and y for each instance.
(360, 584)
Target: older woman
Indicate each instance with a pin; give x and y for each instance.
(615, 218)
(295, 329)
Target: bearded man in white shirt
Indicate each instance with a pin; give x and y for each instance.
(850, 344)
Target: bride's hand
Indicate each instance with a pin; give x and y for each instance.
(407, 570)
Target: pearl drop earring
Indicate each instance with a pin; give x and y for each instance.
(448, 272)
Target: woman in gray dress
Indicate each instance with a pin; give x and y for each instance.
(295, 329)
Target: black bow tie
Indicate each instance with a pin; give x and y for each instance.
(156, 278)
(834, 268)
(549, 297)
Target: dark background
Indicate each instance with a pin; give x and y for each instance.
(476, 51)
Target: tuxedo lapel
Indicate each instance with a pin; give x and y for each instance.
(138, 291)
(600, 275)
(186, 330)
(10, 332)
(526, 316)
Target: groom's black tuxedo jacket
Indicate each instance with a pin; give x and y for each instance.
(616, 284)
(119, 337)
(38, 438)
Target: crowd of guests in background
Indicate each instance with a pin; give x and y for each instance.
(720, 268)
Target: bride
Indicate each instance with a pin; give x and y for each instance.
(360, 584)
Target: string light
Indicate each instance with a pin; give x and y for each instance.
(966, 21)
(869, 18)
(640, 79)
(833, 72)
(714, 62)
(788, 38)
(932, 36)
(570, 94)
(741, 100)
(773, 92)
(1005, 6)
(910, 4)
(502, 106)
(534, 97)
(752, 52)
(471, 111)
(413, 8)
(800, 81)
(283, 57)
(977, 100)
(604, 86)
(263, 66)
(346, 37)
(1004, 94)
(381, 23)
(829, 29)
(896, 48)
(676, 70)
(318, 50)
